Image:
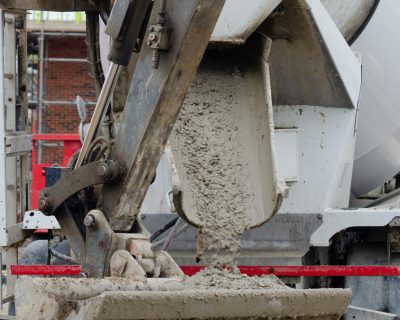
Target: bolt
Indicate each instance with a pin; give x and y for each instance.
(101, 245)
(108, 171)
(44, 205)
(102, 170)
(155, 59)
(89, 221)
(153, 37)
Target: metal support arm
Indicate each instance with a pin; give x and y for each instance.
(94, 173)
(154, 102)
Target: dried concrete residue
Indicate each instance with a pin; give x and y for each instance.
(109, 298)
(207, 144)
(219, 279)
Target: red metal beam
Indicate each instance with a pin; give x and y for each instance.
(45, 270)
(280, 271)
(309, 271)
(55, 137)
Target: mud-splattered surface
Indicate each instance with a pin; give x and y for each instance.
(219, 279)
(215, 295)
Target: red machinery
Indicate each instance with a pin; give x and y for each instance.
(71, 143)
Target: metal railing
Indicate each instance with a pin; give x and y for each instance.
(39, 16)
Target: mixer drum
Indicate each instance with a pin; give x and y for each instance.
(377, 156)
(367, 25)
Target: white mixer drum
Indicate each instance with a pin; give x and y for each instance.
(368, 26)
(371, 27)
(239, 19)
(377, 154)
(350, 15)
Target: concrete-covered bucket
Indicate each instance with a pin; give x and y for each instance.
(117, 298)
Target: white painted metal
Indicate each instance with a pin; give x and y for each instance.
(287, 153)
(378, 143)
(239, 19)
(18, 143)
(323, 153)
(377, 156)
(347, 64)
(8, 187)
(356, 313)
(349, 15)
(3, 196)
(321, 159)
(37, 220)
(10, 118)
(326, 138)
(10, 231)
(335, 220)
(105, 44)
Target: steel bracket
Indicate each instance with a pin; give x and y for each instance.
(20, 143)
(99, 239)
(159, 37)
(35, 219)
(94, 173)
(14, 234)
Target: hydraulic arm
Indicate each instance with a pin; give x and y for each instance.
(104, 192)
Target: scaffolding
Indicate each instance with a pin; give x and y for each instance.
(40, 100)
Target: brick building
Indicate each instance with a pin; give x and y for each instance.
(65, 75)
(64, 81)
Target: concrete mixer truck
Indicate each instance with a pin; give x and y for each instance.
(257, 138)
